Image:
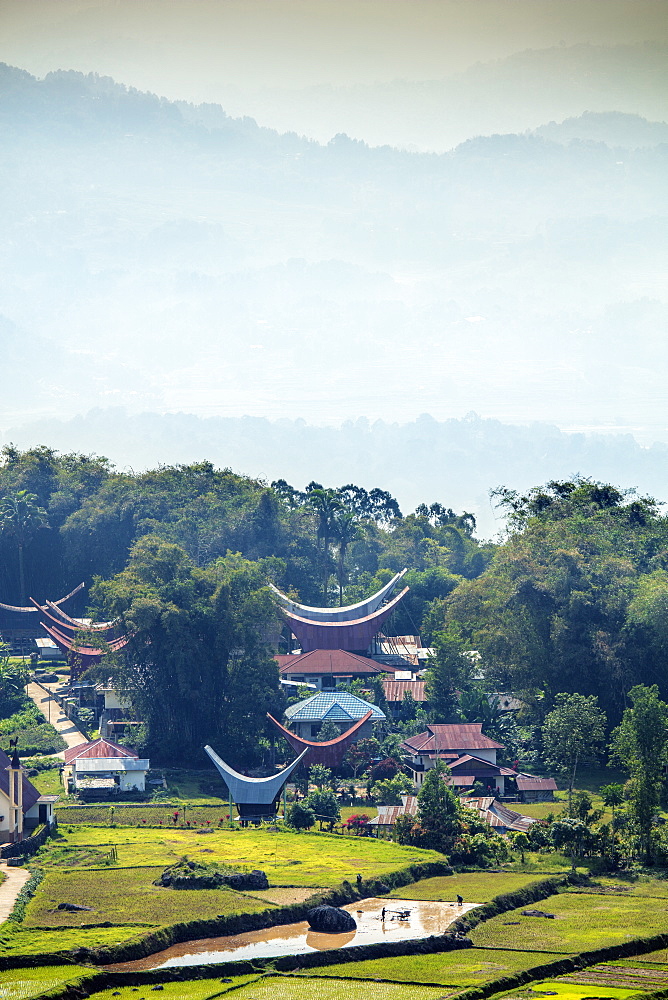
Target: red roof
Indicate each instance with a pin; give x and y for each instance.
(527, 783)
(98, 748)
(478, 763)
(395, 690)
(338, 662)
(464, 736)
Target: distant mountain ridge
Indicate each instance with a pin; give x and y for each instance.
(177, 259)
(454, 461)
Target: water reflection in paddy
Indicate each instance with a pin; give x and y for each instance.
(425, 918)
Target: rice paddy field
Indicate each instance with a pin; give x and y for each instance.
(474, 887)
(456, 969)
(609, 910)
(19, 984)
(567, 991)
(128, 896)
(289, 859)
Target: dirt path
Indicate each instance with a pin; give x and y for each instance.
(11, 887)
(48, 705)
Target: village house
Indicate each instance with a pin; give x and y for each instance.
(102, 767)
(325, 669)
(532, 789)
(307, 717)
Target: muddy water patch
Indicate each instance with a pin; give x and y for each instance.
(405, 919)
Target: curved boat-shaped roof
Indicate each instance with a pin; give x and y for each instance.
(350, 612)
(257, 791)
(67, 644)
(11, 607)
(355, 635)
(330, 752)
(77, 623)
(69, 624)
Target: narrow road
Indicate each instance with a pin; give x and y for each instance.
(54, 714)
(11, 887)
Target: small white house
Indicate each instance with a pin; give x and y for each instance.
(103, 764)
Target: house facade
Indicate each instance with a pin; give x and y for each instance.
(102, 767)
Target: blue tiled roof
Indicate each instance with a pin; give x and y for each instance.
(338, 706)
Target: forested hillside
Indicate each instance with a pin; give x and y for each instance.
(573, 600)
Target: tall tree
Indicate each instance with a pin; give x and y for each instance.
(22, 517)
(438, 811)
(573, 734)
(198, 668)
(449, 671)
(346, 530)
(640, 746)
(326, 505)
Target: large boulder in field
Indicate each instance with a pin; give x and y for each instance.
(331, 920)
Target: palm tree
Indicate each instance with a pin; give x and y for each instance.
(326, 504)
(21, 517)
(346, 530)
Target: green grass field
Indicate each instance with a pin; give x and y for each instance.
(567, 991)
(315, 988)
(128, 896)
(641, 885)
(20, 984)
(195, 989)
(475, 887)
(48, 782)
(625, 975)
(467, 967)
(297, 859)
(64, 939)
(583, 922)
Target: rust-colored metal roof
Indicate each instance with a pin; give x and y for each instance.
(498, 816)
(463, 736)
(337, 662)
(388, 815)
(478, 765)
(529, 783)
(395, 690)
(98, 748)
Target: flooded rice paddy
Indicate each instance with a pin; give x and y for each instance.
(405, 919)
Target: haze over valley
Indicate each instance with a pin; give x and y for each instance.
(163, 256)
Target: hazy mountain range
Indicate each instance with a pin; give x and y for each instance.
(161, 256)
(455, 461)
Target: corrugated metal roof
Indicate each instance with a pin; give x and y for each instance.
(464, 736)
(498, 816)
(97, 748)
(320, 705)
(388, 815)
(85, 765)
(328, 661)
(395, 690)
(528, 783)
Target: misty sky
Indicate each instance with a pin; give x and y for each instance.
(195, 50)
(463, 326)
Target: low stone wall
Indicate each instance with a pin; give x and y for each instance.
(27, 847)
